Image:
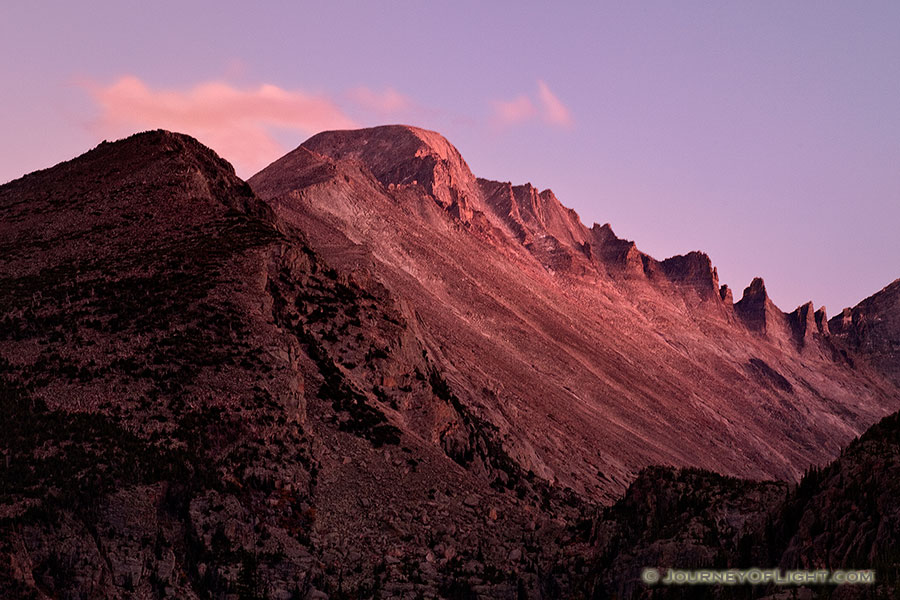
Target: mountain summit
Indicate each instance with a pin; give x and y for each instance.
(401, 155)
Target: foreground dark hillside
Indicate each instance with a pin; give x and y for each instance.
(843, 516)
(148, 409)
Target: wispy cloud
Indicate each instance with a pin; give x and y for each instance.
(245, 123)
(514, 111)
(385, 102)
(239, 123)
(554, 111)
(546, 106)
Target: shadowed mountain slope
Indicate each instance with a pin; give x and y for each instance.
(842, 516)
(872, 329)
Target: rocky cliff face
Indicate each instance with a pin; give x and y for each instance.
(872, 329)
(407, 156)
(758, 312)
(372, 375)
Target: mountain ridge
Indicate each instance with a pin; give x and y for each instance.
(326, 384)
(523, 208)
(535, 237)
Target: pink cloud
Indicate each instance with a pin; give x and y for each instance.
(384, 102)
(522, 108)
(514, 111)
(554, 111)
(237, 123)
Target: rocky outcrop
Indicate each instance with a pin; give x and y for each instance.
(618, 256)
(760, 315)
(693, 270)
(726, 295)
(690, 274)
(822, 322)
(557, 237)
(538, 213)
(872, 329)
(842, 323)
(803, 325)
(407, 156)
(501, 199)
(552, 233)
(754, 306)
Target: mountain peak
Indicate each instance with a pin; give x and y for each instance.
(140, 159)
(406, 156)
(726, 295)
(530, 213)
(822, 321)
(162, 140)
(401, 140)
(694, 269)
(756, 290)
(758, 312)
(803, 324)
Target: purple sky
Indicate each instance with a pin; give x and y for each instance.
(764, 133)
